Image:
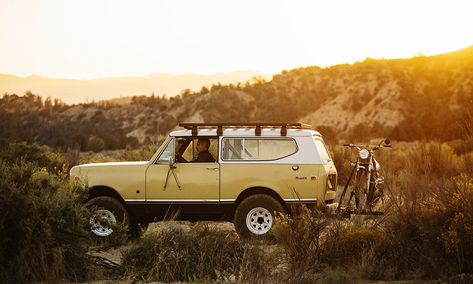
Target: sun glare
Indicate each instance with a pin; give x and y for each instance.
(86, 39)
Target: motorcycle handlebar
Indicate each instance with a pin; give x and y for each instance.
(368, 146)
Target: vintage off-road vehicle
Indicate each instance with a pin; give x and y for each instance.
(244, 173)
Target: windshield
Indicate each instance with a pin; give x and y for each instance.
(167, 153)
(323, 153)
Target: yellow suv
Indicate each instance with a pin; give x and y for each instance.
(240, 172)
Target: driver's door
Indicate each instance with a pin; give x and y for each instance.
(189, 189)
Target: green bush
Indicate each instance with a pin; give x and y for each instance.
(29, 152)
(428, 225)
(142, 153)
(345, 246)
(300, 237)
(56, 162)
(390, 259)
(177, 253)
(426, 232)
(43, 226)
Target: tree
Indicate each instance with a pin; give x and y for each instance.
(95, 144)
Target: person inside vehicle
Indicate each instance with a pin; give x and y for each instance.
(204, 156)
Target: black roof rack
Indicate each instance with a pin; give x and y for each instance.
(283, 125)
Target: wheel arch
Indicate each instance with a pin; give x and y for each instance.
(102, 190)
(259, 190)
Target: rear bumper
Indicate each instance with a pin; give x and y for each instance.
(330, 196)
(331, 208)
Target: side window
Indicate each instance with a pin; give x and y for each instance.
(196, 150)
(254, 149)
(322, 150)
(232, 149)
(167, 153)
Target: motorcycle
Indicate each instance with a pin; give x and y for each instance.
(366, 189)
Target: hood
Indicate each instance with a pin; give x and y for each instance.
(77, 170)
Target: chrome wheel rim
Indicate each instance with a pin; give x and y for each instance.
(259, 220)
(101, 222)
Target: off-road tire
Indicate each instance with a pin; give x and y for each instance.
(254, 201)
(114, 206)
(360, 190)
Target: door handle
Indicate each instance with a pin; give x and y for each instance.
(211, 168)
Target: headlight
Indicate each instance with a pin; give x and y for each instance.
(364, 154)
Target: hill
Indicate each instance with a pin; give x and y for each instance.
(421, 98)
(80, 91)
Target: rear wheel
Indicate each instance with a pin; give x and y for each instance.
(360, 190)
(255, 215)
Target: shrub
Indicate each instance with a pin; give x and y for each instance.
(338, 276)
(390, 258)
(143, 153)
(426, 231)
(345, 246)
(342, 157)
(462, 146)
(261, 262)
(175, 253)
(446, 221)
(29, 152)
(428, 228)
(95, 144)
(42, 226)
(55, 162)
(300, 237)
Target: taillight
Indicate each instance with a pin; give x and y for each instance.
(332, 182)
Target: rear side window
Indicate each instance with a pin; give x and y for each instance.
(254, 149)
(324, 155)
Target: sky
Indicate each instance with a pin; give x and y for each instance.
(87, 39)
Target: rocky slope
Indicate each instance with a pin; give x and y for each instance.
(421, 98)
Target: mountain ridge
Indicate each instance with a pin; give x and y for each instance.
(420, 98)
(73, 91)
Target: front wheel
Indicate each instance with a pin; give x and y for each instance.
(255, 215)
(108, 213)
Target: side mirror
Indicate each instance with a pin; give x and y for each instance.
(171, 162)
(387, 141)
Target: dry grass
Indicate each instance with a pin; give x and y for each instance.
(300, 237)
(426, 232)
(200, 253)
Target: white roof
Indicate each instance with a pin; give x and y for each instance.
(265, 132)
